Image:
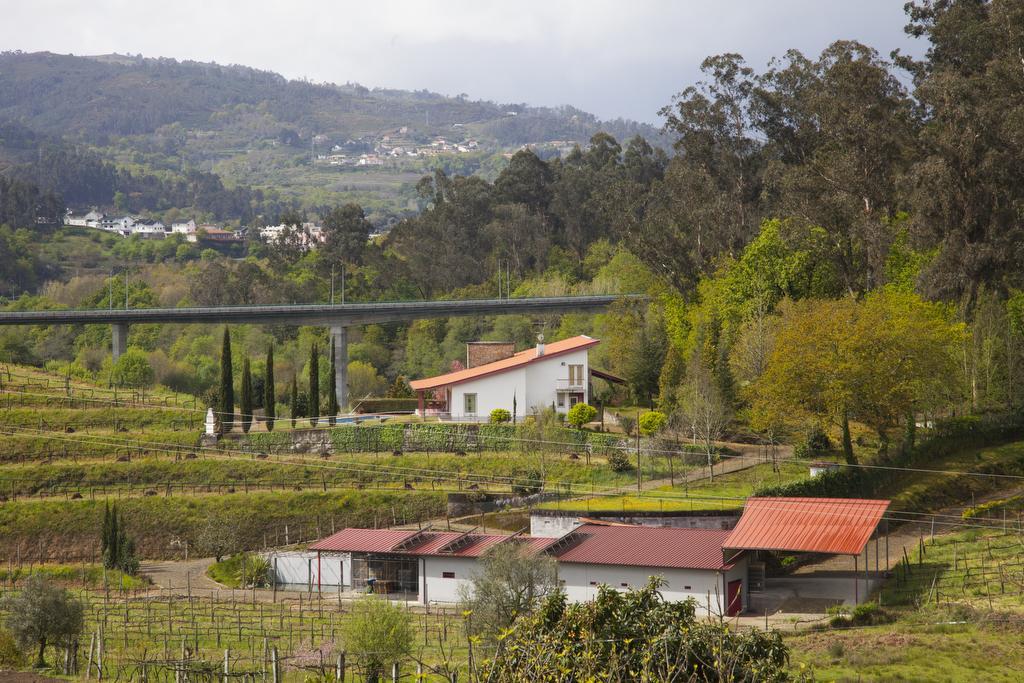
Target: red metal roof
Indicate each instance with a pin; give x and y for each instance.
(643, 546)
(635, 546)
(363, 540)
(516, 360)
(836, 526)
(418, 543)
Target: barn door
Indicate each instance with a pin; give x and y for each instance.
(735, 604)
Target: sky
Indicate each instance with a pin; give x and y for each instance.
(614, 59)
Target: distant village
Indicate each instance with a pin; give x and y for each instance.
(308, 235)
(376, 151)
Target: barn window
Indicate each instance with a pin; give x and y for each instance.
(593, 583)
(624, 584)
(686, 588)
(447, 575)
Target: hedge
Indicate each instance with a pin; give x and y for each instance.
(367, 439)
(950, 435)
(435, 437)
(386, 405)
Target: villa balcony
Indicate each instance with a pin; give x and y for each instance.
(567, 385)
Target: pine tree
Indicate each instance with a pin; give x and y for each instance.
(227, 386)
(295, 401)
(269, 392)
(247, 397)
(332, 389)
(314, 385)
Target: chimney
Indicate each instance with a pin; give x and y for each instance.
(540, 345)
(481, 353)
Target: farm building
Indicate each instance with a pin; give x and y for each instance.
(556, 374)
(433, 565)
(716, 567)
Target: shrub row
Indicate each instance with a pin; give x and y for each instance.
(950, 436)
(446, 438)
(386, 405)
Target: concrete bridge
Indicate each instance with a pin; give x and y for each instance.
(338, 317)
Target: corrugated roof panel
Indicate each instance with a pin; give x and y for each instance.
(835, 526)
(640, 546)
(517, 360)
(363, 540)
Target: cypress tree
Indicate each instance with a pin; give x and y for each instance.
(247, 398)
(105, 532)
(227, 386)
(295, 400)
(110, 557)
(269, 392)
(332, 389)
(314, 385)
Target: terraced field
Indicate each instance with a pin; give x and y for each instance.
(69, 447)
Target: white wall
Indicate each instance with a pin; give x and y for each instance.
(552, 526)
(533, 386)
(492, 391)
(542, 378)
(299, 568)
(440, 589)
(581, 582)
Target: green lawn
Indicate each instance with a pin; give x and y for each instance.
(919, 647)
(728, 491)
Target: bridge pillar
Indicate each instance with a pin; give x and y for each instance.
(339, 335)
(118, 339)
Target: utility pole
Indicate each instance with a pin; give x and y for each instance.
(343, 283)
(332, 285)
(126, 288)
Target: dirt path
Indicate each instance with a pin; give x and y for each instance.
(174, 575)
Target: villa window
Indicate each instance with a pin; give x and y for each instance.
(469, 404)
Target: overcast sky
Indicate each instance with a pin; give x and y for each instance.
(624, 58)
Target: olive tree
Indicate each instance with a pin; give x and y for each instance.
(378, 634)
(511, 582)
(43, 614)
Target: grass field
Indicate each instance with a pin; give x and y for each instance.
(924, 646)
(726, 492)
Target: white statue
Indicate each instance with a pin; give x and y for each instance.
(211, 423)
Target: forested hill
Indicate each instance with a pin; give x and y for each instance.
(123, 95)
(301, 143)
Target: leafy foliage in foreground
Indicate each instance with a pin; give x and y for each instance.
(635, 635)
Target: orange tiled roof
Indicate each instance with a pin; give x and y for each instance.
(514, 361)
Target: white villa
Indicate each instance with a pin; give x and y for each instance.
(556, 374)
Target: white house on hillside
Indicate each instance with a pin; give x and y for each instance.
(556, 374)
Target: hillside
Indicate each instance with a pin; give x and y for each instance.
(316, 143)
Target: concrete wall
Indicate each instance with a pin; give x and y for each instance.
(300, 568)
(581, 582)
(554, 524)
(440, 589)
